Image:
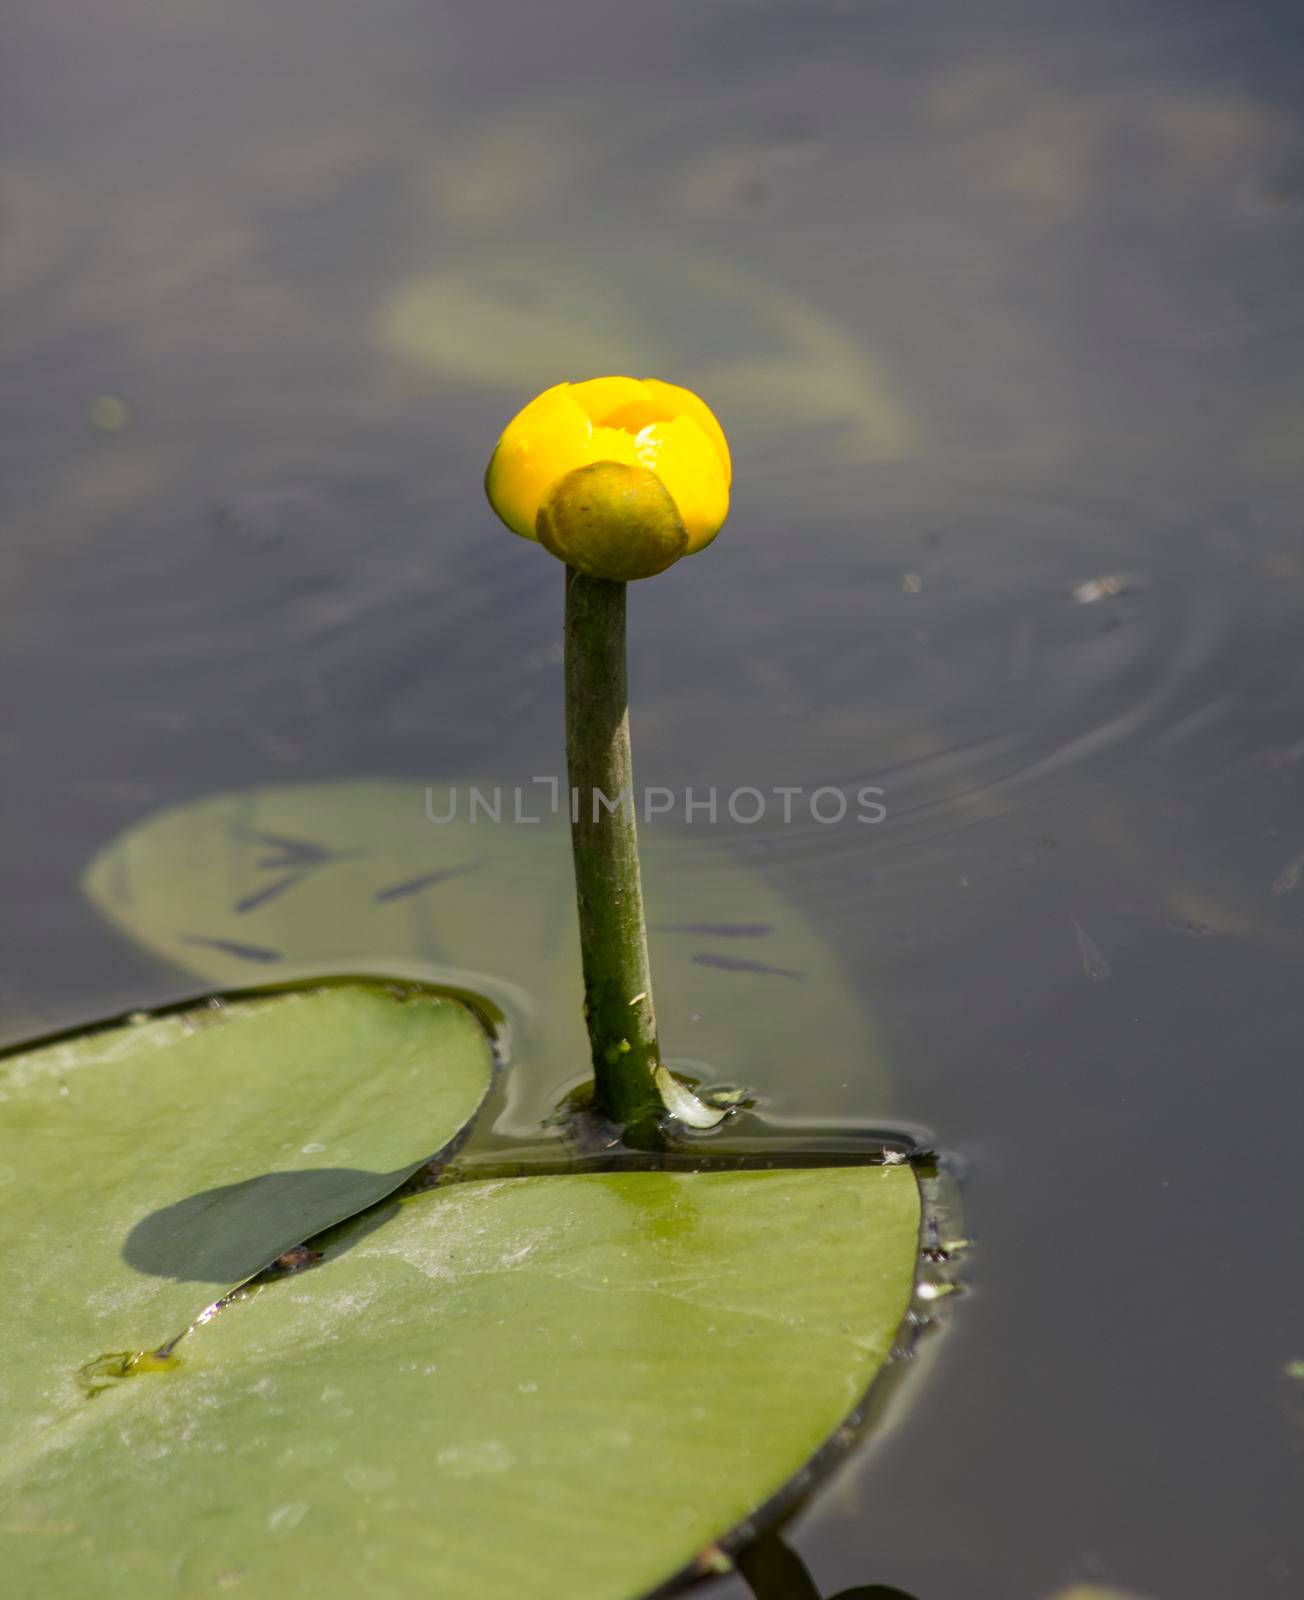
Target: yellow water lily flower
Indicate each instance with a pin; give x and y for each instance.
(618, 477)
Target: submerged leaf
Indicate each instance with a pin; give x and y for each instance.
(745, 987)
(1094, 1591)
(152, 1166)
(562, 1387)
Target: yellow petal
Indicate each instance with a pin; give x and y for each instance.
(625, 403)
(688, 463)
(612, 444)
(683, 402)
(599, 397)
(549, 438)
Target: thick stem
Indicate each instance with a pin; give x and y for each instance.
(774, 1571)
(613, 936)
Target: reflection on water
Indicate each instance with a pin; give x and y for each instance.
(1003, 307)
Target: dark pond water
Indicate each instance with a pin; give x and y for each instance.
(1003, 308)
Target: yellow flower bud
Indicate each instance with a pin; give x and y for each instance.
(670, 500)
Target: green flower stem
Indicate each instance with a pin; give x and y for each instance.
(613, 935)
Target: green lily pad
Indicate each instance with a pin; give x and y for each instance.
(148, 1167)
(560, 1386)
(355, 876)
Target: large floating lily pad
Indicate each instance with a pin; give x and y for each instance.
(149, 1167)
(239, 887)
(547, 1386)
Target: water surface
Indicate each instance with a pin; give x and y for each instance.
(1003, 309)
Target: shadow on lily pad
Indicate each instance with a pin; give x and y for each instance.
(206, 1238)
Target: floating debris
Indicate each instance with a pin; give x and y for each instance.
(1106, 587)
(1190, 928)
(295, 1259)
(684, 1106)
(1288, 879)
(106, 1371)
(109, 414)
(729, 1097)
(1093, 961)
(713, 1561)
